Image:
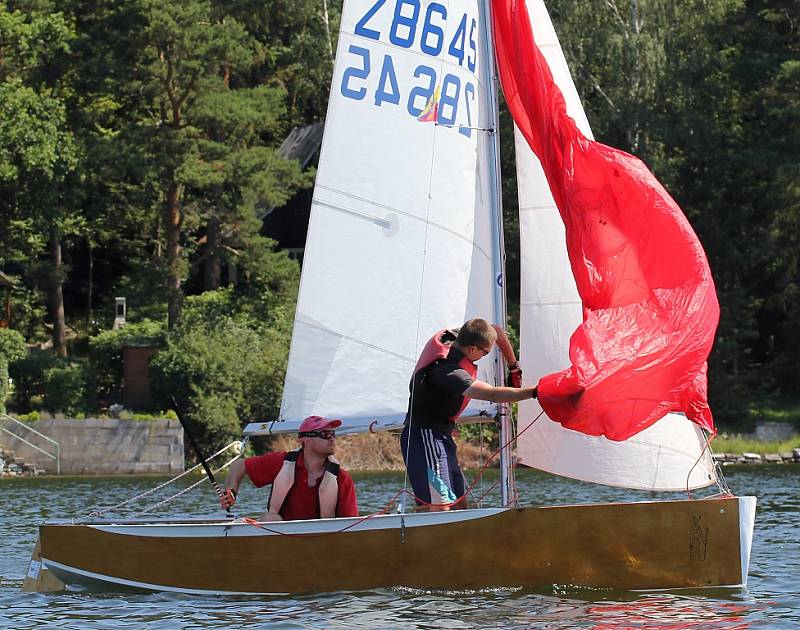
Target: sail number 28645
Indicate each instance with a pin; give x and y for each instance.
(412, 27)
(405, 24)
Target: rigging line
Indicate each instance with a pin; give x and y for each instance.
(155, 506)
(514, 492)
(402, 492)
(482, 459)
(707, 447)
(722, 483)
(487, 129)
(142, 495)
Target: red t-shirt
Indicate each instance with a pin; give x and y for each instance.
(302, 501)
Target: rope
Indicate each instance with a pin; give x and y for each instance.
(722, 483)
(402, 492)
(100, 512)
(155, 506)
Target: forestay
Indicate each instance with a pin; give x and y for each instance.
(670, 455)
(400, 242)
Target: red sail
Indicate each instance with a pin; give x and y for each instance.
(650, 310)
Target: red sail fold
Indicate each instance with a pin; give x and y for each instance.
(650, 309)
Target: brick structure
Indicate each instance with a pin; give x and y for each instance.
(136, 377)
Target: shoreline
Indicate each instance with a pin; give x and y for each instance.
(380, 452)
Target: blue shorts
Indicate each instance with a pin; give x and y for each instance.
(433, 469)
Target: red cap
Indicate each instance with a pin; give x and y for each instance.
(317, 423)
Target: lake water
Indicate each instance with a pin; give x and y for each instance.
(771, 600)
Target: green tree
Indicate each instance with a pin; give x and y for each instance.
(38, 155)
(203, 134)
(12, 348)
(223, 365)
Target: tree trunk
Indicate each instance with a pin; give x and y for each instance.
(90, 289)
(55, 298)
(212, 276)
(172, 228)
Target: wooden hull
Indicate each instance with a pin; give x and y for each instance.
(648, 545)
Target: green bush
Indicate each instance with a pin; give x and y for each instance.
(33, 416)
(12, 348)
(105, 354)
(12, 345)
(214, 422)
(66, 385)
(221, 370)
(29, 378)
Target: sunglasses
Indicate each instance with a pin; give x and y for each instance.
(325, 434)
(485, 352)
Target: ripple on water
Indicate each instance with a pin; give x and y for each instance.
(771, 601)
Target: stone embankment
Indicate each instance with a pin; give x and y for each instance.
(726, 459)
(94, 446)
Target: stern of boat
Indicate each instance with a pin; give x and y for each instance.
(747, 519)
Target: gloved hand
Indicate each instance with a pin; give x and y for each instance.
(514, 378)
(228, 498)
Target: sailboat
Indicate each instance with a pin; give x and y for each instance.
(406, 237)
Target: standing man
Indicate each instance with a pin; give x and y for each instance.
(306, 484)
(444, 382)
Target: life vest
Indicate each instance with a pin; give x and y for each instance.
(436, 350)
(328, 487)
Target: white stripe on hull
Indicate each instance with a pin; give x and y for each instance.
(236, 527)
(71, 575)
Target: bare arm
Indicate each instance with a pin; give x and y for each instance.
(484, 391)
(505, 347)
(236, 473)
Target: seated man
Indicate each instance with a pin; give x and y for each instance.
(307, 483)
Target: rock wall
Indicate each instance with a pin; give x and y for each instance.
(103, 446)
(775, 431)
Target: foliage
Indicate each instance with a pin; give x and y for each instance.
(105, 353)
(169, 414)
(28, 375)
(137, 140)
(33, 416)
(224, 363)
(740, 444)
(38, 151)
(65, 387)
(12, 347)
(481, 433)
(221, 373)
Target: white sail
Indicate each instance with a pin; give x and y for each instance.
(670, 455)
(400, 242)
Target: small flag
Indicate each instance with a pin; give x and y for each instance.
(431, 111)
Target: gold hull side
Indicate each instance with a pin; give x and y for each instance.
(658, 545)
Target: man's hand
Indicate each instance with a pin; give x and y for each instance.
(228, 498)
(514, 376)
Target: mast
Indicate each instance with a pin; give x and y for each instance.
(498, 251)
